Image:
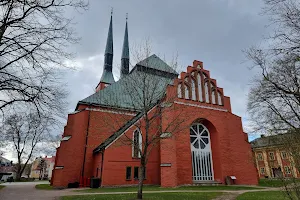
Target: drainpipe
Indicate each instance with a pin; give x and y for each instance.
(86, 141)
(101, 172)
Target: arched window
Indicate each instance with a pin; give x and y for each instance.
(220, 102)
(213, 96)
(186, 91)
(199, 84)
(206, 92)
(193, 89)
(179, 91)
(202, 165)
(137, 143)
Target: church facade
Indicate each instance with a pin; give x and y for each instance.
(207, 145)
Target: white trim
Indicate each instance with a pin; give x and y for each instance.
(201, 106)
(59, 167)
(127, 130)
(111, 111)
(165, 164)
(66, 138)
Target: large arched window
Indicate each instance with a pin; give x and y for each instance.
(199, 84)
(201, 153)
(137, 143)
(193, 89)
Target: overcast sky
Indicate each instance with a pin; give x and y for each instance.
(212, 31)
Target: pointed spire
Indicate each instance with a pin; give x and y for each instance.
(125, 52)
(107, 76)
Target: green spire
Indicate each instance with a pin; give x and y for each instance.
(107, 75)
(125, 52)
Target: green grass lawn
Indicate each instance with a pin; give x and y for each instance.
(267, 195)
(1, 186)
(157, 196)
(158, 188)
(44, 187)
(275, 182)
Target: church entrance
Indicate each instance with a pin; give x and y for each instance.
(201, 153)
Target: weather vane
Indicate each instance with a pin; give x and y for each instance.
(126, 16)
(112, 9)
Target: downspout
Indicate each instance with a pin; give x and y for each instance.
(86, 141)
(101, 172)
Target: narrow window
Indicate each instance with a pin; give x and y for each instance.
(186, 92)
(136, 173)
(287, 170)
(137, 144)
(206, 92)
(283, 155)
(193, 90)
(179, 93)
(271, 156)
(199, 84)
(220, 99)
(128, 173)
(262, 170)
(213, 96)
(259, 156)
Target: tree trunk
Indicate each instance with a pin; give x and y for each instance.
(141, 181)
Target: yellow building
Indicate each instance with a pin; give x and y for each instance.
(272, 158)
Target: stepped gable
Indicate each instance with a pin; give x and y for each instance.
(197, 85)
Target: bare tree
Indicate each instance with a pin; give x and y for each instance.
(25, 132)
(274, 98)
(34, 36)
(144, 91)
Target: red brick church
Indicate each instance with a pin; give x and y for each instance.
(208, 145)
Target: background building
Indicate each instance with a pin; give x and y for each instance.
(6, 169)
(42, 168)
(272, 157)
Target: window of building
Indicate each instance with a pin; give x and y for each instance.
(136, 173)
(262, 170)
(259, 156)
(283, 155)
(287, 169)
(186, 92)
(206, 92)
(199, 87)
(137, 144)
(193, 90)
(271, 156)
(179, 92)
(128, 173)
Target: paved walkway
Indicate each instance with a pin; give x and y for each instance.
(27, 191)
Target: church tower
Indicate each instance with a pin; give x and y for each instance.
(125, 53)
(107, 75)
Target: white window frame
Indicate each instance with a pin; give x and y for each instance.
(179, 91)
(140, 143)
(287, 170)
(283, 153)
(273, 156)
(262, 170)
(260, 157)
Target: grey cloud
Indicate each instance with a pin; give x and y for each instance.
(213, 31)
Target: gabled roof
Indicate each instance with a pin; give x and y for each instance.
(269, 141)
(118, 133)
(155, 62)
(127, 92)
